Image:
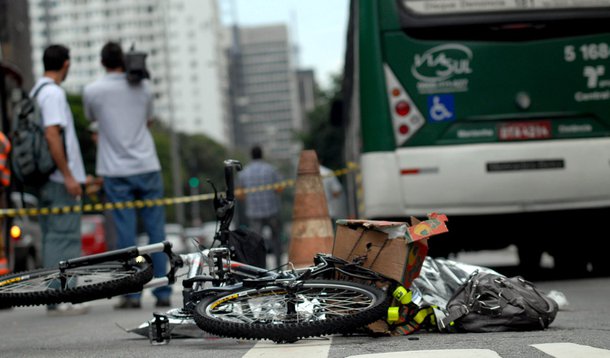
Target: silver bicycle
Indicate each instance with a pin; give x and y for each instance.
(220, 295)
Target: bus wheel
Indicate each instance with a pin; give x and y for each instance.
(600, 267)
(599, 260)
(529, 258)
(570, 263)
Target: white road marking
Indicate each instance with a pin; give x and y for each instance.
(306, 348)
(440, 353)
(565, 350)
(320, 347)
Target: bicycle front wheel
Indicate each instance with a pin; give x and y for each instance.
(312, 308)
(81, 284)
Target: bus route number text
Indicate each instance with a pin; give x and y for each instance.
(589, 52)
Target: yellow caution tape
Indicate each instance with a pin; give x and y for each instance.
(153, 202)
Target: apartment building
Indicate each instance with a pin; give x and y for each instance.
(182, 40)
(264, 94)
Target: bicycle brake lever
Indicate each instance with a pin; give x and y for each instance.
(225, 206)
(216, 200)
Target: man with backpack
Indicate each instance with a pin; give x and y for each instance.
(61, 233)
(5, 181)
(127, 159)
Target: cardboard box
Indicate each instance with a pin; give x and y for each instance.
(394, 249)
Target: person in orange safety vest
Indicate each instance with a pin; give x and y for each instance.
(5, 171)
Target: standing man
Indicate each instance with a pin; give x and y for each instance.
(61, 237)
(263, 206)
(334, 195)
(5, 181)
(127, 159)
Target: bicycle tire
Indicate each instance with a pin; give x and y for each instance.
(321, 307)
(86, 283)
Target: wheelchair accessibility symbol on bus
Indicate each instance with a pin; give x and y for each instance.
(441, 108)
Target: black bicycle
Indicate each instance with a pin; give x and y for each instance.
(223, 296)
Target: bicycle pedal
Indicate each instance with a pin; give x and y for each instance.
(159, 332)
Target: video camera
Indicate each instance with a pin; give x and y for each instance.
(135, 66)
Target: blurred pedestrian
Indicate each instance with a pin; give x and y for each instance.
(5, 181)
(263, 206)
(333, 191)
(127, 159)
(5, 168)
(61, 236)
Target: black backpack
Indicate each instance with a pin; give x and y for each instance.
(494, 303)
(248, 247)
(31, 159)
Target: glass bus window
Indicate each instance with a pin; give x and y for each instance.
(447, 7)
(502, 20)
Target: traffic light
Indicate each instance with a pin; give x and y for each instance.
(194, 182)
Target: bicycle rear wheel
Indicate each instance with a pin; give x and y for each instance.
(81, 284)
(313, 308)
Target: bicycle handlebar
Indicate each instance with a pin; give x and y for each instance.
(229, 179)
(120, 254)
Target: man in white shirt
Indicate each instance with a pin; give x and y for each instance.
(334, 195)
(61, 233)
(127, 159)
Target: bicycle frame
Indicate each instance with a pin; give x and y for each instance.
(179, 322)
(214, 266)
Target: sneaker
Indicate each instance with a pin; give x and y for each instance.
(67, 309)
(163, 302)
(128, 303)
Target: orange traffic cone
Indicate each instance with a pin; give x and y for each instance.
(312, 230)
(4, 266)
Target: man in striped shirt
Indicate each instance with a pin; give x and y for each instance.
(263, 206)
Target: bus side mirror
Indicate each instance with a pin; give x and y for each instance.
(336, 113)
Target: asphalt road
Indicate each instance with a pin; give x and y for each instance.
(576, 332)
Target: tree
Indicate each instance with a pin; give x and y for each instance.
(200, 157)
(326, 139)
(81, 124)
(203, 158)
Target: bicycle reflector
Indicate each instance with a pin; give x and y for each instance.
(406, 118)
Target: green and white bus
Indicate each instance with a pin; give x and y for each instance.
(494, 112)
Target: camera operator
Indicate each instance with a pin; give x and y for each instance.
(126, 156)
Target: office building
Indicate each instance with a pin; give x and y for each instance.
(307, 95)
(15, 50)
(263, 88)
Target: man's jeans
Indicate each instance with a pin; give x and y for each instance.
(140, 187)
(275, 225)
(61, 237)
